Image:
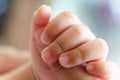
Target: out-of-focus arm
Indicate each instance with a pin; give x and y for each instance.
(24, 72)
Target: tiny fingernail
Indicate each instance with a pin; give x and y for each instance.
(47, 57)
(64, 60)
(90, 68)
(44, 39)
(37, 16)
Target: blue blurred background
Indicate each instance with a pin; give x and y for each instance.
(102, 16)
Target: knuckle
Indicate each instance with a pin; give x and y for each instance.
(76, 30)
(67, 13)
(103, 45)
(60, 44)
(83, 32)
(87, 31)
(70, 15)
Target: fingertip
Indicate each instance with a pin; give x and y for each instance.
(42, 15)
(46, 56)
(102, 69)
(65, 61)
(44, 39)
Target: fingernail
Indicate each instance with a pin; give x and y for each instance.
(64, 60)
(38, 15)
(44, 39)
(37, 18)
(90, 68)
(47, 57)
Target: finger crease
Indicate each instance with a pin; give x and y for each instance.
(60, 46)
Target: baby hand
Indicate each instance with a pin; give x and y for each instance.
(66, 41)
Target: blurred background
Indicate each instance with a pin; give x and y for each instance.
(102, 16)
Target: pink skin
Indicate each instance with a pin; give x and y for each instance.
(82, 57)
(43, 34)
(21, 69)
